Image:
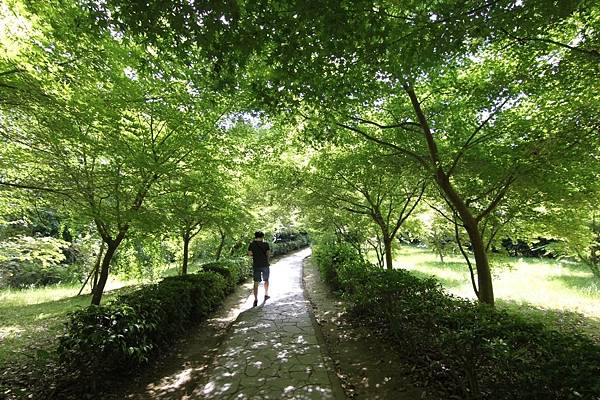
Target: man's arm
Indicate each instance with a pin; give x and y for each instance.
(250, 253)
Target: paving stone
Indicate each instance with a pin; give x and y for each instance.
(272, 351)
(319, 377)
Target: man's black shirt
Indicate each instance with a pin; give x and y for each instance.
(259, 253)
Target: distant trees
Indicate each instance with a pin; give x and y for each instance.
(359, 180)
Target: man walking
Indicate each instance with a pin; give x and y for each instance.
(260, 252)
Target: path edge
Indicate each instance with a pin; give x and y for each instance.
(336, 384)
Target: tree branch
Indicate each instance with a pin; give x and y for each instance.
(402, 125)
(431, 145)
(465, 255)
(399, 149)
(465, 146)
(497, 199)
(403, 216)
(593, 53)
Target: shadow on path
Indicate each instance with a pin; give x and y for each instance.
(269, 352)
(273, 350)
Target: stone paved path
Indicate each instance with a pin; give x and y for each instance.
(273, 351)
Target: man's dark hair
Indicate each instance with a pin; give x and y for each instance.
(259, 234)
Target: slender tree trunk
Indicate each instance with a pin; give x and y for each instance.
(186, 246)
(97, 267)
(221, 245)
(111, 248)
(387, 244)
(94, 271)
(387, 241)
(484, 276)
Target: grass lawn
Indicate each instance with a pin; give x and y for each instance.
(562, 294)
(32, 319)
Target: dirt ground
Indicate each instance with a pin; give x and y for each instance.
(367, 367)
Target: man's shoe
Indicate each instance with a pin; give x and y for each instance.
(267, 298)
(255, 303)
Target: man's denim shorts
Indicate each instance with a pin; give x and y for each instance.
(260, 272)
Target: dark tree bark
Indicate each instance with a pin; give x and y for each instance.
(111, 248)
(387, 242)
(186, 246)
(187, 235)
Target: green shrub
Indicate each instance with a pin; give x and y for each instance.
(281, 248)
(235, 271)
(334, 259)
(27, 261)
(470, 350)
(128, 331)
(24, 274)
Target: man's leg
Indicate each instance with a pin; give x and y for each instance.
(265, 276)
(256, 278)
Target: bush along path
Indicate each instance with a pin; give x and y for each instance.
(463, 349)
(367, 365)
(273, 350)
(106, 344)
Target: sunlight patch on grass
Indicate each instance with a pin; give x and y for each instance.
(30, 296)
(34, 317)
(11, 330)
(549, 284)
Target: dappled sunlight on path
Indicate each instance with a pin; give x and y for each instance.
(272, 351)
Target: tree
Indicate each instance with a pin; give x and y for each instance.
(197, 201)
(457, 103)
(108, 134)
(359, 180)
(475, 94)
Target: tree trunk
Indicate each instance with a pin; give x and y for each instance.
(484, 276)
(111, 248)
(387, 244)
(97, 267)
(95, 279)
(387, 241)
(186, 246)
(221, 245)
(94, 271)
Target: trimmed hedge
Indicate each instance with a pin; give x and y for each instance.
(128, 331)
(280, 248)
(469, 350)
(235, 271)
